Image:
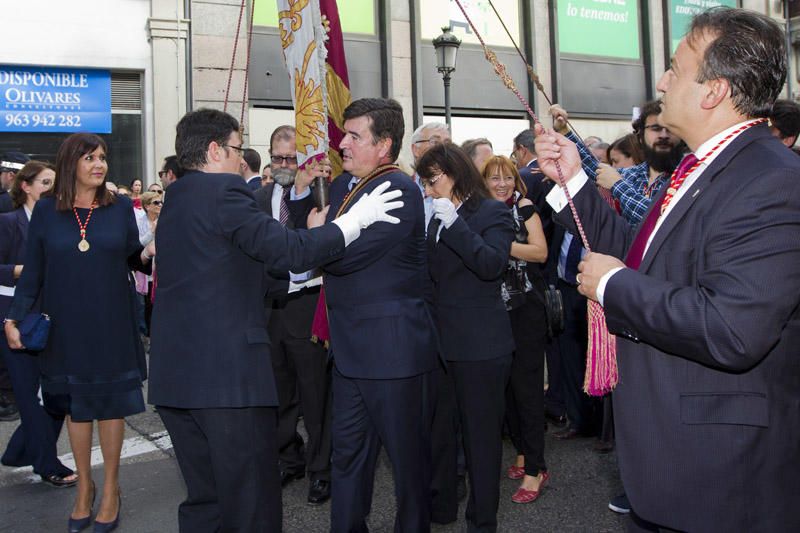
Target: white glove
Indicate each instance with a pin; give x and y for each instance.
(444, 210)
(369, 209)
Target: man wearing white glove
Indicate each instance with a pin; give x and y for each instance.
(383, 343)
(210, 371)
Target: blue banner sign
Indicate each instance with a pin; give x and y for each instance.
(45, 99)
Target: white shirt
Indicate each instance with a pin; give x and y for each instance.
(558, 200)
(304, 279)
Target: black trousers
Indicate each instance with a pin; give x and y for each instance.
(303, 380)
(229, 461)
(480, 397)
(444, 450)
(525, 391)
(34, 441)
(368, 413)
(584, 412)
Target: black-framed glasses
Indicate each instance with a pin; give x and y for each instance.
(281, 159)
(237, 148)
(162, 173)
(157, 202)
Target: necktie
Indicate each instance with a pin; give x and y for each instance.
(284, 213)
(636, 251)
(573, 258)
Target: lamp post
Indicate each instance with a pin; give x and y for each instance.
(446, 46)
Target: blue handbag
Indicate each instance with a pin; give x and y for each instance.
(33, 330)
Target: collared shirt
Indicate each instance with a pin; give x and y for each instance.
(303, 279)
(633, 191)
(557, 199)
(28, 212)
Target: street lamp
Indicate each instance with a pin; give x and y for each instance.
(446, 46)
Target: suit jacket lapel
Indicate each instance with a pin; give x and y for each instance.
(268, 190)
(680, 209)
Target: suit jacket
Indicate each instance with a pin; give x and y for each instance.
(209, 345)
(6, 204)
(538, 188)
(13, 235)
(297, 309)
(254, 183)
(467, 266)
(707, 410)
(378, 294)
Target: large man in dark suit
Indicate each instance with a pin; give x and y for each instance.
(707, 311)
(210, 374)
(383, 343)
(301, 366)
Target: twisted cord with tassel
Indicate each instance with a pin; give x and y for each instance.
(601, 365)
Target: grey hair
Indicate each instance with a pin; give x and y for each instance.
(438, 126)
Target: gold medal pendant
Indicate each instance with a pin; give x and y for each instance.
(83, 246)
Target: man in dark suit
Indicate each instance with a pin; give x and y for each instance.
(383, 343)
(301, 366)
(249, 167)
(707, 304)
(210, 374)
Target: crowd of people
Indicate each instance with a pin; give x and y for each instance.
(419, 312)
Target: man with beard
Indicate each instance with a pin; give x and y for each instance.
(634, 186)
(300, 366)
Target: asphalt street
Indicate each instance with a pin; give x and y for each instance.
(576, 498)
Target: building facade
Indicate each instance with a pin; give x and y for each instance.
(600, 59)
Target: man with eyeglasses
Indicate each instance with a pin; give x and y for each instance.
(634, 186)
(170, 171)
(210, 371)
(424, 137)
(302, 374)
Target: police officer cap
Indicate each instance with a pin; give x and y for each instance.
(13, 161)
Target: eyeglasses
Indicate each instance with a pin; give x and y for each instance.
(432, 140)
(656, 128)
(162, 173)
(430, 182)
(237, 148)
(157, 202)
(281, 159)
(47, 182)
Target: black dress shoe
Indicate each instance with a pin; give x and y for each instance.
(8, 411)
(287, 477)
(319, 492)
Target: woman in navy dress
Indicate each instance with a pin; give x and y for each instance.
(34, 441)
(82, 244)
(469, 240)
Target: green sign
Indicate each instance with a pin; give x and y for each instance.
(608, 28)
(681, 13)
(356, 16)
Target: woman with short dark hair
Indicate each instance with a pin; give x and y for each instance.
(34, 441)
(469, 239)
(82, 244)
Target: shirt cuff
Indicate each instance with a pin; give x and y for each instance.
(294, 196)
(350, 228)
(558, 200)
(601, 285)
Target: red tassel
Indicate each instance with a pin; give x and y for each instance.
(601, 356)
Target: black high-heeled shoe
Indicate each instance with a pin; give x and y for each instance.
(105, 527)
(76, 525)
